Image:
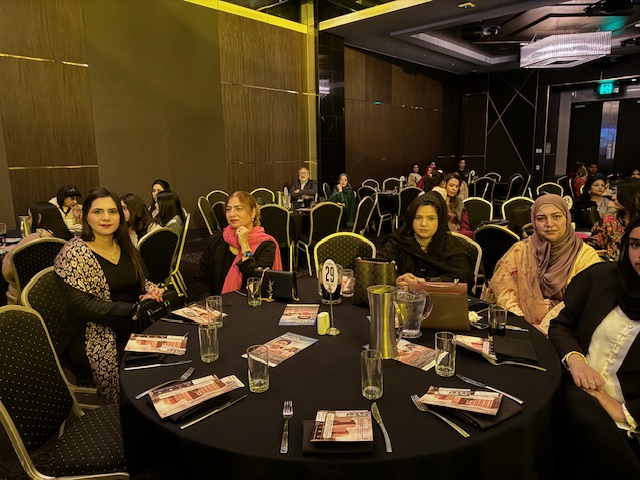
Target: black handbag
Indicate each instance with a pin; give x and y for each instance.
(369, 272)
(150, 311)
(277, 284)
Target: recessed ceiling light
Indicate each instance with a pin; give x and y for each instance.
(466, 5)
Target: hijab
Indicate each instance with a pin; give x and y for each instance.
(629, 293)
(554, 260)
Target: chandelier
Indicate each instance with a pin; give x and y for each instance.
(565, 51)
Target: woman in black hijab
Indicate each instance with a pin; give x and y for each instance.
(423, 248)
(597, 336)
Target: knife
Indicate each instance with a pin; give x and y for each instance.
(152, 365)
(484, 385)
(515, 329)
(378, 418)
(219, 409)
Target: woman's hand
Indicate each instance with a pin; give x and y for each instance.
(407, 278)
(243, 238)
(154, 293)
(339, 187)
(77, 212)
(612, 406)
(584, 376)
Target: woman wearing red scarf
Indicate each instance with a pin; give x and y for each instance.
(232, 255)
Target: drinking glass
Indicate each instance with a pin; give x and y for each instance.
(208, 336)
(258, 368)
(348, 282)
(411, 309)
(371, 374)
(497, 320)
(254, 297)
(214, 310)
(445, 354)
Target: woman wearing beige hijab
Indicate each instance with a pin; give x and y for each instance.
(530, 279)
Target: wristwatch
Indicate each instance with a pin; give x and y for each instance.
(247, 254)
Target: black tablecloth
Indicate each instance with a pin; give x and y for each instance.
(245, 438)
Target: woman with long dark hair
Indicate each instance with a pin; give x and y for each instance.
(137, 216)
(170, 213)
(105, 278)
(157, 186)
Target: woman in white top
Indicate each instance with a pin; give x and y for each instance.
(414, 177)
(66, 200)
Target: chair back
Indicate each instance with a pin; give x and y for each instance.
(510, 205)
(326, 189)
(176, 277)
(325, 220)
(563, 181)
(217, 196)
(494, 240)
(525, 191)
(264, 196)
(495, 175)
(372, 183)
(28, 259)
(276, 222)
(158, 250)
(391, 183)
(207, 215)
(366, 190)
(479, 210)
(405, 197)
(549, 187)
(363, 215)
(484, 187)
(219, 211)
(474, 253)
(343, 248)
(516, 185)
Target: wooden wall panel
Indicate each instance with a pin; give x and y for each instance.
(378, 84)
(355, 87)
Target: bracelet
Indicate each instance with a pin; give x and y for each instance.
(579, 359)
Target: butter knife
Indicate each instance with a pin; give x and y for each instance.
(484, 385)
(378, 418)
(207, 415)
(152, 365)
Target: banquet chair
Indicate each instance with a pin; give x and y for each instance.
(405, 197)
(220, 212)
(366, 190)
(217, 196)
(363, 215)
(513, 203)
(372, 183)
(483, 187)
(563, 181)
(326, 190)
(514, 189)
(494, 240)
(325, 220)
(263, 196)
(549, 187)
(28, 259)
(38, 408)
(158, 249)
(391, 183)
(479, 210)
(526, 191)
(207, 215)
(276, 221)
(495, 175)
(343, 248)
(45, 294)
(176, 279)
(383, 216)
(474, 253)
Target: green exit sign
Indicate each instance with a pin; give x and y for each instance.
(607, 88)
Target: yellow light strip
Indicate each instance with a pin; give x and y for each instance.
(54, 167)
(248, 13)
(370, 12)
(35, 59)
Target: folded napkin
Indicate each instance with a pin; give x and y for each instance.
(508, 408)
(514, 349)
(331, 448)
(143, 358)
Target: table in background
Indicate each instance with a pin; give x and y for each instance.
(246, 437)
(389, 201)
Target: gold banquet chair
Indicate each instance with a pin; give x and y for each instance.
(343, 248)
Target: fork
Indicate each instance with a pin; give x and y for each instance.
(287, 413)
(493, 361)
(423, 408)
(181, 378)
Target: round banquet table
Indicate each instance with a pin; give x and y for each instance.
(245, 438)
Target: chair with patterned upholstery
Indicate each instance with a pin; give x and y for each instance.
(264, 196)
(370, 182)
(494, 240)
(363, 215)
(217, 196)
(220, 212)
(158, 249)
(37, 407)
(276, 221)
(474, 252)
(32, 257)
(45, 294)
(207, 215)
(479, 210)
(343, 248)
(325, 220)
(405, 197)
(513, 203)
(176, 279)
(549, 187)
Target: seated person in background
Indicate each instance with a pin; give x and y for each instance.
(463, 171)
(435, 182)
(104, 278)
(520, 221)
(606, 235)
(170, 213)
(157, 186)
(304, 185)
(579, 181)
(344, 195)
(137, 216)
(635, 173)
(423, 248)
(457, 216)
(67, 202)
(530, 279)
(232, 255)
(597, 337)
(45, 221)
(431, 169)
(593, 191)
(593, 169)
(414, 177)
